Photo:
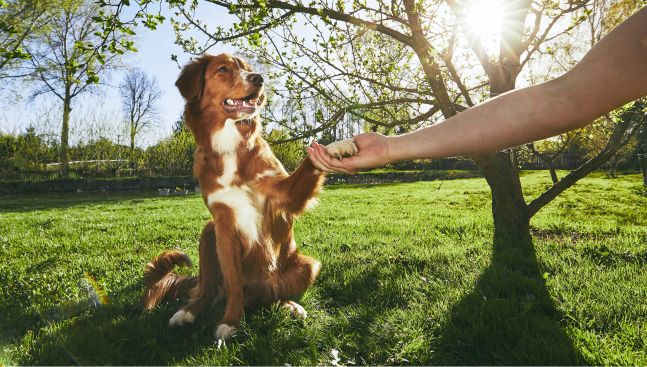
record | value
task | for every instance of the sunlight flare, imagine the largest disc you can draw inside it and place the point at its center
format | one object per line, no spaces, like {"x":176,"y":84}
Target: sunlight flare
{"x":484,"y":18}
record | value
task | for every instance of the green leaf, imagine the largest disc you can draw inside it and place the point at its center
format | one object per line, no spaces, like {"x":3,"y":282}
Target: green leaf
{"x":93,"y":79}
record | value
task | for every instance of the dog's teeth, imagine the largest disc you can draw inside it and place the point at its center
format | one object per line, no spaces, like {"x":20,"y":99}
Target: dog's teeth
{"x":229,"y":102}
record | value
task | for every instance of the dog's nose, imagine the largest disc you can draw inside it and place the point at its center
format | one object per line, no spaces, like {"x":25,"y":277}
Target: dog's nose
{"x":257,"y":79}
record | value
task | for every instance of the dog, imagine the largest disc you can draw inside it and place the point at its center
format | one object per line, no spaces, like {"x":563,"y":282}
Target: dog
{"x":248,"y":255}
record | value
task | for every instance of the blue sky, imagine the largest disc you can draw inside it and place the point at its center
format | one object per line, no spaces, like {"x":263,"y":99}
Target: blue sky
{"x":154,"y":57}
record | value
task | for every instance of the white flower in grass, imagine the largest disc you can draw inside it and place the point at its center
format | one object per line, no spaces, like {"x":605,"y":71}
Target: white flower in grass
{"x":334,"y":354}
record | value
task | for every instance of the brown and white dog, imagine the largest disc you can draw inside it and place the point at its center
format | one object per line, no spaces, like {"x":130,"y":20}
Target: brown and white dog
{"x":248,"y":255}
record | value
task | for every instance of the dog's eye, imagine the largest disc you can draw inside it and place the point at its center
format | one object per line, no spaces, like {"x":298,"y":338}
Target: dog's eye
{"x":223,"y":69}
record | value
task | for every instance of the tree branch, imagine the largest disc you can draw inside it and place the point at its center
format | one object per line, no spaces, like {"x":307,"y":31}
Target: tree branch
{"x":618,"y":139}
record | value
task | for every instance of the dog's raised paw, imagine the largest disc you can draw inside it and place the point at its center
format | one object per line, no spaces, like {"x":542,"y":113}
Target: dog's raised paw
{"x":181,"y":318}
{"x":342,"y":148}
{"x":295,"y":309}
{"x":224,"y":332}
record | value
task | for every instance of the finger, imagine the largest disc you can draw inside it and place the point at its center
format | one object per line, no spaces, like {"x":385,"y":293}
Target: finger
{"x":320,"y":159}
{"x":324,"y":157}
{"x":342,"y":165}
{"x":340,"y":168}
{"x":316,"y":160}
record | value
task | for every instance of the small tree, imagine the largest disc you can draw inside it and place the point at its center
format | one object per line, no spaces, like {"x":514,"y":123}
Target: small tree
{"x":67,"y":60}
{"x":140,"y":94}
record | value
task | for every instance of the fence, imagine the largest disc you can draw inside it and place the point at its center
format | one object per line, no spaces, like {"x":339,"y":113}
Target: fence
{"x":409,"y":171}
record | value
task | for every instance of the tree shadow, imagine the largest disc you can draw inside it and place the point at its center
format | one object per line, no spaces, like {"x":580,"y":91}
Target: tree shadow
{"x":508,"y":318}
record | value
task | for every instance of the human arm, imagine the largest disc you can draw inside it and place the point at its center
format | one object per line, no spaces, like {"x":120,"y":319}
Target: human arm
{"x":613,"y":73}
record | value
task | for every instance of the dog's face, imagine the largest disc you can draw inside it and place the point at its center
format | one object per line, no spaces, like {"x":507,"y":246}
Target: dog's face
{"x":223,"y":82}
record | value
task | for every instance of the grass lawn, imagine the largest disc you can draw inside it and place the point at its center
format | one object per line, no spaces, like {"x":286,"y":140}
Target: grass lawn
{"x":410,"y":276}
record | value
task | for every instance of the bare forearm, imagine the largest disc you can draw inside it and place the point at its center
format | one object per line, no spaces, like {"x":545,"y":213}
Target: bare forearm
{"x":610,"y":75}
{"x":508,"y":120}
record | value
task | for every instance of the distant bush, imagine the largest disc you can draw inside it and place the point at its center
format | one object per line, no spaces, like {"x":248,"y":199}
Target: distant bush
{"x":173,"y":155}
{"x":27,"y":151}
{"x":291,"y":153}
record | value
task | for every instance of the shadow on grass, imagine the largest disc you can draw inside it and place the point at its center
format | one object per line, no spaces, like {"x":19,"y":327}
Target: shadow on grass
{"x":508,"y":318}
{"x":115,"y":334}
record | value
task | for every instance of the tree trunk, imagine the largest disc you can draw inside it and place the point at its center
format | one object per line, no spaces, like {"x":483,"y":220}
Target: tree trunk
{"x":133,"y":132}
{"x":643,"y":166}
{"x":65,"y":132}
{"x":509,"y":209}
{"x":613,"y":167}
{"x":553,"y":172}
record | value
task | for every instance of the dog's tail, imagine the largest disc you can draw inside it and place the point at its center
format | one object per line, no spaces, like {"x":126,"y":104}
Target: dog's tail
{"x":161,"y":284}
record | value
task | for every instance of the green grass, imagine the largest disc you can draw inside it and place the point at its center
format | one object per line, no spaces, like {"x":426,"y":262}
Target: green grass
{"x":410,"y":276}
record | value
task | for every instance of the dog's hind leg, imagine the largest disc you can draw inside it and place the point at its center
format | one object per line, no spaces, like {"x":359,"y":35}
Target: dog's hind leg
{"x":209,"y":289}
{"x":297,"y":275}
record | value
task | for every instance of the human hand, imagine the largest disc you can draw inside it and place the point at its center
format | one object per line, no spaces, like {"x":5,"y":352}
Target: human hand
{"x":373,"y":152}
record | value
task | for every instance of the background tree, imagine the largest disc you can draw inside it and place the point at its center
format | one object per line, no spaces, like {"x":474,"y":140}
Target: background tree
{"x":290,"y":154}
{"x":140,"y":94}
{"x":641,"y":151}
{"x":69,"y":58}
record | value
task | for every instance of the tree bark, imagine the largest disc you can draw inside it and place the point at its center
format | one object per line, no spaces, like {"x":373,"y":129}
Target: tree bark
{"x":65,"y":133}
{"x":509,"y":209}
{"x":553,"y":172}
{"x":132,"y":136}
{"x":643,"y":166}
{"x":617,"y":140}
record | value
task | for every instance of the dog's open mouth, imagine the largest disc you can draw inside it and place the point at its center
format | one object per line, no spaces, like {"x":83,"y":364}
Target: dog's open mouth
{"x":247,"y":104}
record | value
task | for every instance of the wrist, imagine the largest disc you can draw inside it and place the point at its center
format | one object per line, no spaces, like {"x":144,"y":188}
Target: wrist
{"x":394,"y":151}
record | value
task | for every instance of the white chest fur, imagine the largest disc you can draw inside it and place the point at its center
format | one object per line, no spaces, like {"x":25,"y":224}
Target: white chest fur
{"x":226,"y":140}
{"x":229,"y":169}
{"x":246,"y":214}
{"x":243,"y":201}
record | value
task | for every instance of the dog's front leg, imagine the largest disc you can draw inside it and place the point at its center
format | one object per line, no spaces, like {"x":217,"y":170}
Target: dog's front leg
{"x":295,"y":191}
{"x":229,"y":250}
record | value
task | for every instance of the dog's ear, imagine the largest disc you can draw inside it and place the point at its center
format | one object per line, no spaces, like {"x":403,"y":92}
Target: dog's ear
{"x":191,"y":80}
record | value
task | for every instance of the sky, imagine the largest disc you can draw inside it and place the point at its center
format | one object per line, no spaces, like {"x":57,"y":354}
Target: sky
{"x":100,"y":115}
